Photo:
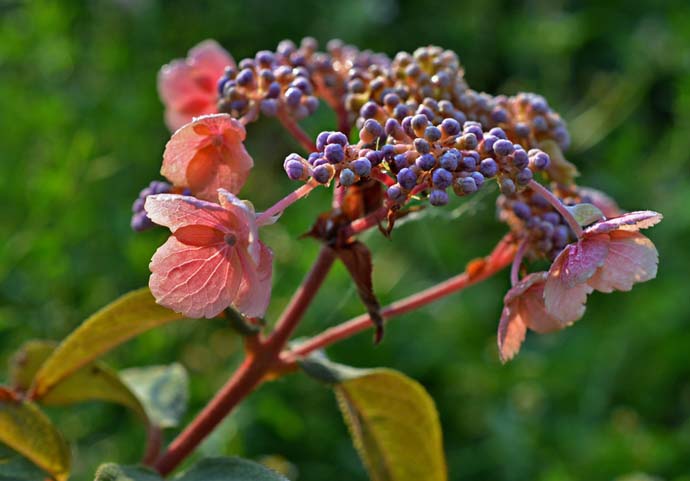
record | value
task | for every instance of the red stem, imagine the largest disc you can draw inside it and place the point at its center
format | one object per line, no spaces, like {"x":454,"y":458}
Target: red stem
{"x":296,"y":131}
{"x":154,"y":440}
{"x":251,"y":372}
{"x":500,"y":258}
{"x":364,"y":223}
{"x":558,"y":205}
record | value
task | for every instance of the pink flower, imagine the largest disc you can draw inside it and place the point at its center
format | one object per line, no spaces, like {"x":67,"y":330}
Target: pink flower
{"x":524,"y":308}
{"x":212,"y":260}
{"x":188,"y":87}
{"x":208,"y":154}
{"x":610,"y":255}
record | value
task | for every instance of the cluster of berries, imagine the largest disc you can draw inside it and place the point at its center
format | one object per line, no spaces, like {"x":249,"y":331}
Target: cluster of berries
{"x":291,"y":78}
{"x":140,"y":221}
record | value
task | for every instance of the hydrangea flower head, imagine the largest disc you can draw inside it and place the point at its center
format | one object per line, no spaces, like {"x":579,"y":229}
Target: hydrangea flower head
{"x":188,"y":87}
{"x":213,"y":259}
{"x":208,"y":154}
{"x":610,"y":255}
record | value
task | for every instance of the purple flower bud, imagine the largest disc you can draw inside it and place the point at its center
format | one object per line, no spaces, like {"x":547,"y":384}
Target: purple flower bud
{"x":520,"y":159}
{"x":138,"y":205}
{"x":401,"y":111}
{"x":538,"y":104}
{"x":478,"y":179}
{"x":507,"y":187}
{"x":264,"y":57}
{"x":419,"y":123}
{"x":421,"y":146}
{"x":221,"y":84}
{"x":396,"y":194}
{"x":552,"y":218}
{"x":320,"y":161}
{"x":498,"y":132}
{"x":269,"y":107}
{"x":293,"y":96}
{"x":503,"y":147}
{"x":375,"y":157}
{"x":388,"y":151}
{"x":426,"y":112}
{"x":321,"y":141}
{"x":400,"y":161}
{"x":539,"y":124}
{"x":245,"y":77}
{"x":362,"y":167}
{"x":438,"y":198}
{"x":347,"y":177}
{"x":441,"y":178}
{"x":488,"y":167}
{"x":522,"y":210}
{"x":313,"y":156}
{"x":468,"y":141}
{"x":432,"y":134}
{"x":468,"y":162}
{"x":522,"y":129}
{"x":467,"y":185}
{"x":373,"y":128}
{"x":475,"y":128}
{"x":391,"y":100}
{"x":140,"y":222}
{"x":499,"y":115}
{"x":449,"y":160}
{"x":560,"y":236}
{"x":393,"y":128}
{"x":407,"y":126}
{"x":311,"y":103}
{"x":488,"y":143}
{"x":546,"y":228}
{"x":337,"y":138}
{"x":407,"y":178}
{"x":294,"y":169}
{"x":450,"y":127}
{"x":426,"y":162}
{"x":369,"y":110}
{"x":524,"y":176}
{"x":538,"y":159}
{"x":334,"y":153}
{"x":273,"y":91}
{"x":322,"y":174}
{"x":539,"y":200}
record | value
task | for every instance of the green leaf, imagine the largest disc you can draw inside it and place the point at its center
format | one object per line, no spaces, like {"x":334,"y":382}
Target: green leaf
{"x":93,"y":382}
{"x":24,"y":428}
{"x":128,"y":316}
{"x":394,"y":426}
{"x":14,"y":467}
{"x":585,"y":214}
{"x":229,"y":469}
{"x":163,"y":391}
{"x":115,"y":472}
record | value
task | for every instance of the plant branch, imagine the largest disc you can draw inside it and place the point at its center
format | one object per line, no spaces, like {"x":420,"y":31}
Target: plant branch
{"x":286,"y":202}
{"x":251,"y":372}
{"x":296,"y":131}
{"x":558,"y":205}
{"x":476,"y":272}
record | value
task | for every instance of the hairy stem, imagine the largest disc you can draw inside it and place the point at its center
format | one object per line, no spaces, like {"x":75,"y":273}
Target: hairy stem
{"x":558,"y":205}
{"x":251,"y":372}
{"x":296,"y":131}
{"x":286,"y":202}
{"x":500,"y":258}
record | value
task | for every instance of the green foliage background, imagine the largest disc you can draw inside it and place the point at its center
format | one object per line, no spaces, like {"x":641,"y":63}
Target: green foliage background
{"x":81,"y":132}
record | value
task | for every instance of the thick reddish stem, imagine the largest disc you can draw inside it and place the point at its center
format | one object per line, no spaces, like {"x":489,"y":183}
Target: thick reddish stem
{"x":296,"y":131}
{"x":154,"y":440}
{"x":252,"y":370}
{"x":366,"y":222}
{"x":558,"y":205}
{"x":517,"y":261}
{"x":286,"y":202}
{"x":500,"y":258}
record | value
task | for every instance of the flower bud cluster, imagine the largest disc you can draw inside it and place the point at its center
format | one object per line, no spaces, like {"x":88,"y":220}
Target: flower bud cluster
{"x":140,"y":221}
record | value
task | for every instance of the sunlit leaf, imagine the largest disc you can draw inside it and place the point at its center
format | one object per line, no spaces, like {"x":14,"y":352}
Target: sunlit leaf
{"x":585,"y":214}
{"x":163,"y":390}
{"x":24,"y":428}
{"x":115,"y":472}
{"x":394,"y":425}
{"x":229,"y":469}
{"x":14,"y":467}
{"x":93,"y":382}
{"x":128,"y":316}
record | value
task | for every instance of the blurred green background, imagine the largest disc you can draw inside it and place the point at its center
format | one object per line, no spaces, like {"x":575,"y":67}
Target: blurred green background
{"x":81,"y":133}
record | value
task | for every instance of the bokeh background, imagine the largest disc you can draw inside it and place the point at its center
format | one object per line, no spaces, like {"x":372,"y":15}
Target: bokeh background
{"x":81,"y":133}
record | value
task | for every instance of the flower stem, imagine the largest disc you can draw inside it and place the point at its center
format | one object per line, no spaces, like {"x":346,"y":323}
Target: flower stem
{"x":558,"y":205}
{"x":500,"y":258}
{"x":296,"y":131}
{"x":252,"y":370}
{"x":286,"y":202}
{"x":517,"y":261}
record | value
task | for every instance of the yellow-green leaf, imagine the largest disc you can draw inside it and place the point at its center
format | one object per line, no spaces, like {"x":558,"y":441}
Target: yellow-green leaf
{"x":116,"y":323}
{"x":585,"y":214}
{"x":394,"y":426}
{"x":115,"y":472}
{"x":24,"y":428}
{"x":93,"y":382}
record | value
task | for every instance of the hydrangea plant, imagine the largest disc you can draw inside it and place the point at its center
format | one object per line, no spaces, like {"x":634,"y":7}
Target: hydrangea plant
{"x":410,"y":134}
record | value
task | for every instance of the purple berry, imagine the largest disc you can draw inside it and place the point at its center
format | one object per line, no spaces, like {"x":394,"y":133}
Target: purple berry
{"x":400,"y":161}
{"x":432,"y":134}
{"x":489,"y":141}
{"x":273,"y":91}
{"x":337,"y":138}
{"x":441,"y":178}
{"x":478,"y":179}
{"x":552,"y":218}
{"x":294,"y":169}
{"x":469,"y":141}
{"x":375,"y":157}
{"x":322,"y":174}
{"x":450,"y":127}
{"x":407,"y":178}
{"x":362,"y":167}
{"x":499,"y":115}
{"x":488,"y":168}
{"x":293,"y":96}
{"x":524,"y":176}
{"x":373,"y":128}
{"x":334,"y":152}
{"x":538,"y":159}
{"x":321,"y":141}
{"x":396,"y":194}
{"x":520,"y":159}
{"x":522,"y":210}
{"x":467,"y":185}
{"x":449,"y":160}
{"x":140,"y":222}
{"x":369,"y":110}
{"x":388,"y":151}
{"x":421,"y":146}
{"x":503,"y":147}
{"x":475,"y":128}
{"x":426,"y":162}
{"x":419,"y":123}
{"x":560,"y":236}
{"x":507,"y":187}
{"x":468,"y":163}
{"x":347,"y":177}
{"x":498,"y":132}
{"x":438,"y":198}
{"x":269,"y":107}
{"x":138,"y":205}
{"x":522,"y":129}
{"x":245,"y":77}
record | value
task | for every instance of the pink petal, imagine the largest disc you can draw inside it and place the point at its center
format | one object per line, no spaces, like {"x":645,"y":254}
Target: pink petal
{"x":246,"y":220}
{"x":197,"y":281}
{"x":632,"y":221}
{"x":511,"y":333}
{"x":255,"y":290}
{"x":208,"y":154}
{"x":533,"y":312}
{"x":563,"y":302}
{"x":188,"y":87}
{"x":582,"y":259}
{"x":175,"y":211}
{"x":632,"y":258}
